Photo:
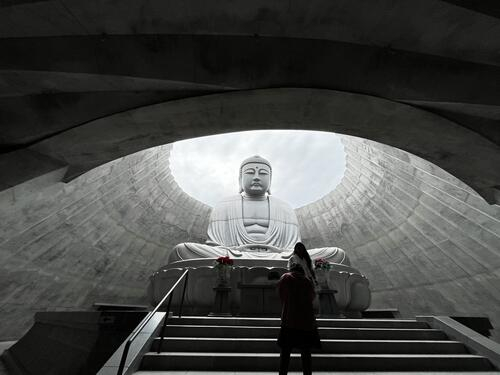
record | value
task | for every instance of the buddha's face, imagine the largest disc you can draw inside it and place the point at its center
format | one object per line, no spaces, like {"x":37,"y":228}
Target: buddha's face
{"x":255,"y":178}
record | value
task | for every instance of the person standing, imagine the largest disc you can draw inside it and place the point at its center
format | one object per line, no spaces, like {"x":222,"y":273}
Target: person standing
{"x":301,"y":257}
{"x":298,"y":323}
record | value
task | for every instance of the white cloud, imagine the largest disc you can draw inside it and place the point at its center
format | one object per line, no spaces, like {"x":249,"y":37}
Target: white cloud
{"x":306,"y":165}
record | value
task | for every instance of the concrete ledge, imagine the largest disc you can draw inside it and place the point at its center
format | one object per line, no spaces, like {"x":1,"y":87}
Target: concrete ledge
{"x":476,"y":342}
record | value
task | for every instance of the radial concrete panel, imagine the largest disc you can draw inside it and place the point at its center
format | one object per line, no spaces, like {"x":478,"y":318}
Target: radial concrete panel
{"x":425,"y":240}
{"x":95,"y":239}
{"x":402,"y":25}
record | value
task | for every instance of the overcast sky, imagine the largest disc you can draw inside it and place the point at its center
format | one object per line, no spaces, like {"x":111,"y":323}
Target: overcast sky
{"x":306,"y":165}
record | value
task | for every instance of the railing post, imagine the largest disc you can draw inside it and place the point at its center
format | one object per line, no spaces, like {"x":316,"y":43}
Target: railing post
{"x":126,"y":348}
{"x":124,"y":358}
{"x":164,"y":323}
{"x":183,"y":294}
{"x":146,"y":320}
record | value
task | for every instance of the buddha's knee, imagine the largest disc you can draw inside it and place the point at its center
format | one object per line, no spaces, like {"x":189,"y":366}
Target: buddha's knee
{"x":177,"y":253}
{"x":331,"y":254}
{"x":191,"y":250}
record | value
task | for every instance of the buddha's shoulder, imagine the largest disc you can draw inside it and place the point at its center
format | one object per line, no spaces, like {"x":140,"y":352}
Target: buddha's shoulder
{"x":278,"y":202}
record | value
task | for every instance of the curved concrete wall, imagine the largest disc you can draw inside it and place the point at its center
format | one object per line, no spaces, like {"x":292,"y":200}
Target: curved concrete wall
{"x":427,"y":242}
{"x":95,"y":239}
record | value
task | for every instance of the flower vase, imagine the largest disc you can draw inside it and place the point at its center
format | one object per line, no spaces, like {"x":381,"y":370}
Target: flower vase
{"x":322,"y":277}
{"x":223,"y":275}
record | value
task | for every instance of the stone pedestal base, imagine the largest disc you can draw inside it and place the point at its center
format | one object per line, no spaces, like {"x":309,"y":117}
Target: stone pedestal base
{"x":222,"y":305}
{"x":327,"y":304}
{"x":353,"y":288}
{"x":259,"y":299}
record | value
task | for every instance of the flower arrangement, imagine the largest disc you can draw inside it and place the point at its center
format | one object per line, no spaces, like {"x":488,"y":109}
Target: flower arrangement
{"x":322,"y":264}
{"x":223,"y":261}
{"x":223,"y":267}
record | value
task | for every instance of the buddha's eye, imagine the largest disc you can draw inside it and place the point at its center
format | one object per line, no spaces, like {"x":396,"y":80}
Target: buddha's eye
{"x":249,"y":171}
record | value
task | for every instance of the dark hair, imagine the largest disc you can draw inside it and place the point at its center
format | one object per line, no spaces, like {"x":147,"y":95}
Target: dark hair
{"x":297,"y":268}
{"x":301,"y":251}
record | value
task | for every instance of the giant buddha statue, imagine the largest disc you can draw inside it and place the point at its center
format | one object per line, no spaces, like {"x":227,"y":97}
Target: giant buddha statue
{"x":253,"y":224}
{"x":258,"y":231}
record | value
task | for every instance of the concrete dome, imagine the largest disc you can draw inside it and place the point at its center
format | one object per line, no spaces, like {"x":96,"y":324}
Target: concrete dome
{"x":419,"y":234}
{"x":84,"y":83}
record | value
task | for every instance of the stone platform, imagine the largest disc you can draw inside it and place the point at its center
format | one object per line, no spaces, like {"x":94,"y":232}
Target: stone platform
{"x":353,"y":293}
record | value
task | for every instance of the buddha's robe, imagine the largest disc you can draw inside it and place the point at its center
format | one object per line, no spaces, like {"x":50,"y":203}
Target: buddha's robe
{"x":227,"y":228}
{"x":227,"y":236}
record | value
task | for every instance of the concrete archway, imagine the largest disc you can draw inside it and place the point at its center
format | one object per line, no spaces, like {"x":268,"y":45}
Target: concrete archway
{"x":462,"y":152}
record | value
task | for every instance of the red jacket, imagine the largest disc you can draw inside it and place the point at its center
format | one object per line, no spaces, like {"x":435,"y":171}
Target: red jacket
{"x":297,"y":295}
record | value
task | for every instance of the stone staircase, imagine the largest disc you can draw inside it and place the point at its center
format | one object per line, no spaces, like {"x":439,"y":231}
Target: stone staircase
{"x":249,"y":344}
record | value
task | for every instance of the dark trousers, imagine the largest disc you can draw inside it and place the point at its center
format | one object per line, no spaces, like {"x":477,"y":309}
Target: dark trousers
{"x":305,"y":355}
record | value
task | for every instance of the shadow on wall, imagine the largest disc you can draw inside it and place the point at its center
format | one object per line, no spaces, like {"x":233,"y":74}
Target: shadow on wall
{"x":70,"y":343}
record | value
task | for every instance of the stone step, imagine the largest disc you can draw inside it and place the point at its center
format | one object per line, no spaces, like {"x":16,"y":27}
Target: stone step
{"x":204,"y":344}
{"x":174,"y":330}
{"x":275,"y":322}
{"x":197,"y":361}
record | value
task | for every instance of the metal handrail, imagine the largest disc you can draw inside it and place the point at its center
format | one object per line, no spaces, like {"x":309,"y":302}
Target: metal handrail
{"x":148,"y":317}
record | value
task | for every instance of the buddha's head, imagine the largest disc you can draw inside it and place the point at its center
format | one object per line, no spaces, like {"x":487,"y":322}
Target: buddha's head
{"x":255,"y":176}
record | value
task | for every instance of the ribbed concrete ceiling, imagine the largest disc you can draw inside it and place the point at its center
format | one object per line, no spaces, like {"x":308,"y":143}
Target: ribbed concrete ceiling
{"x":64,"y":65}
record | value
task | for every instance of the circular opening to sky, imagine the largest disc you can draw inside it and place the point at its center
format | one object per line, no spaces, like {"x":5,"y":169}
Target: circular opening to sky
{"x":307,"y":165}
